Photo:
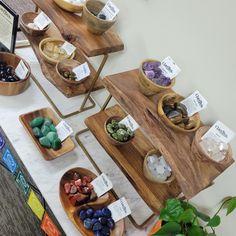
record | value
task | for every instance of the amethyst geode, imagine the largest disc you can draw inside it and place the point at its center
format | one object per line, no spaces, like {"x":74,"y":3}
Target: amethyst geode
{"x":153,"y":71}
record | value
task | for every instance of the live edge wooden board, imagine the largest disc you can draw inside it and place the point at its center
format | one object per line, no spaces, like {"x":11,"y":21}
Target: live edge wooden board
{"x":73,"y":29}
{"x":130,"y":159}
{"x":192,"y":174}
{"x":69,"y":90}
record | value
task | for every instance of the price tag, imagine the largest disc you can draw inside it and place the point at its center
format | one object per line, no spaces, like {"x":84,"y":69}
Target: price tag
{"x":102,"y":185}
{"x":68,"y":47}
{"x":23,"y":184}
{"x":42,"y":20}
{"x":195,"y":103}
{"x":2,"y":142}
{"x":21,"y":70}
{"x":219,"y":131}
{"x":119,"y":209}
{"x":9,"y":160}
{"x":63,"y":130}
{"x":110,"y":10}
{"x":169,"y":68}
{"x":82,"y":71}
{"x":49,"y":227}
{"x":130,"y":122}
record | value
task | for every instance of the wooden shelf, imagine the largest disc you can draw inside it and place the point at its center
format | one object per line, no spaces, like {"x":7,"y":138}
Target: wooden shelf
{"x":130,"y":159}
{"x":49,"y":70}
{"x":192,"y":174}
{"x":73,"y":29}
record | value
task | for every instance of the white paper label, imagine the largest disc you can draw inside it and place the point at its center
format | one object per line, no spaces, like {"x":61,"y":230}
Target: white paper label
{"x":119,"y":209}
{"x":68,"y":47}
{"x":219,"y":131}
{"x":21,"y":70}
{"x":169,"y":68}
{"x":75,"y":1}
{"x":42,"y":20}
{"x":195,"y":103}
{"x":101,"y":185}
{"x":63,"y":130}
{"x":110,"y":10}
{"x":130,"y":122}
{"x":82,"y":71}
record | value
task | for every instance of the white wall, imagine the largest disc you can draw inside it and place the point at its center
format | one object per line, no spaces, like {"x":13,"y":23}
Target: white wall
{"x":201,"y":37}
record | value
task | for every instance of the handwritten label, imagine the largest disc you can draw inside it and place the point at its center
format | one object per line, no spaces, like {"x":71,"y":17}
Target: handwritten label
{"x":42,"y":20}
{"x":23,"y":184}
{"x":195,"y":103}
{"x":9,"y":160}
{"x":119,"y":209}
{"x":130,"y":122}
{"x":102,"y":184}
{"x":219,"y":131}
{"x":82,"y":71}
{"x":169,"y":68}
{"x":110,"y":10}
{"x":2,"y":142}
{"x":68,"y":47}
{"x":49,"y":227}
{"x":21,"y":70}
{"x":63,"y":130}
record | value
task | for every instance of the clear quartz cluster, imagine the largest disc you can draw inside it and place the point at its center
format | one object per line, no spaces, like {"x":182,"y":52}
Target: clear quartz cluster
{"x":158,"y":167}
{"x":214,"y":148}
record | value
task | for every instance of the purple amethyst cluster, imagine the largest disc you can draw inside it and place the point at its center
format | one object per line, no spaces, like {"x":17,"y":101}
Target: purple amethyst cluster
{"x":153,"y":71}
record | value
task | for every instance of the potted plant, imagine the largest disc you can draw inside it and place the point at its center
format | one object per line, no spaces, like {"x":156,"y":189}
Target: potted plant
{"x":180,"y":218}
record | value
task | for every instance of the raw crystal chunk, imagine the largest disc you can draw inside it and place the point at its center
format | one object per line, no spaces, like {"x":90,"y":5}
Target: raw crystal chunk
{"x":45,"y":142}
{"x":36,"y":122}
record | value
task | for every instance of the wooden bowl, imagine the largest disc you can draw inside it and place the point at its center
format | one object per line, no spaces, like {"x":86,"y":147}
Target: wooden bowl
{"x":94,"y":24}
{"x":58,"y":42}
{"x":27,"y":18}
{"x":201,"y":154}
{"x":68,"y":64}
{"x":195,"y":117}
{"x":146,"y":86}
{"x":148,"y":174}
{"x":48,"y":154}
{"x":68,"y":6}
{"x":110,"y":139}
{"x":14,"y":88}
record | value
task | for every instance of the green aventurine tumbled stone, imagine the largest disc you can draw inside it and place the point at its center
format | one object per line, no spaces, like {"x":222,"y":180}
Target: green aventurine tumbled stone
{"x":47,"y":122}
{"x":37,"y":132}
{"x":52,"y":136}
{"x":36,"y":122}
{"x":45,"y":130}
{"x":56,"y":144}
{"x":45,"y":142}
{"x":52,"y":128}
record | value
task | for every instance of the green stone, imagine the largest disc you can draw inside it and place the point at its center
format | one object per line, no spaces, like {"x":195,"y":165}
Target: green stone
{"x":52,"y":128}
{"x":52,"y":136}
{"x":45,"y":130}
{"x":56,"y":144}
{"x":47,"y":122}
{"x":37,"y":132}
{"x":45,"y":142}
{"x":37,"y":122}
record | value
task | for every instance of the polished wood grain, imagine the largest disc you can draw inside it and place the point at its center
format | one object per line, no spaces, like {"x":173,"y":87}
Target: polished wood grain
{"x":48,"y":154}
{"x":73,"y":29}
{"x":69,"y":90}
{"x":130,"y":157}
{"x":192,"y":174}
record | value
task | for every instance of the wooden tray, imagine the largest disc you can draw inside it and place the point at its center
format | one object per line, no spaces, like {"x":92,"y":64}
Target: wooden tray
{"x":69,"y":90}
{"x":48,"y":154}
{"x":130,"y":159}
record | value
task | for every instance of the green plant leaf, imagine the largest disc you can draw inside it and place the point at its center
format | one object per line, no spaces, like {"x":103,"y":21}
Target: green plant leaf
{"x":187,"y":205}
{"x":180,"y":235}
{"x":169,"y":229}
{"x":214,"y":221}
{"x":203,"y":216}
{"x":187,"y":216}
{"x":196,"y":231}
{"x":231,"y":205}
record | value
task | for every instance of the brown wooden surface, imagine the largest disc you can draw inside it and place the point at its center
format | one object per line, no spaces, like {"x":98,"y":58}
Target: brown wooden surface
{"x":74,"y":30}
{"x":130,"y":159}
{"x":69,"y":90}
{"x":192,"y":174}
{"x":48,"y":154}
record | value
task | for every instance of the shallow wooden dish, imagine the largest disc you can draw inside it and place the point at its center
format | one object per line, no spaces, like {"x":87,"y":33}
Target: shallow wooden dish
{"x":94,"y":24}
{"x":71,"y":7}
{"x":110,"y":139}
{"x":195,"y":117}
{"x":48,"y":154}
{"x":14,"y":88}
{"x":147,"y":173}
{"x":68,"y":64}
{"x":146,"y":86}
{"x":58,"y":42}
{"x":27,"y":18}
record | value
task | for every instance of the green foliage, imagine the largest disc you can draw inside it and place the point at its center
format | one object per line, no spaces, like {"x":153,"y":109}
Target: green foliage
{"x":214,"y":221}
{"x":169,"y":229}
{"x":231,"y":205}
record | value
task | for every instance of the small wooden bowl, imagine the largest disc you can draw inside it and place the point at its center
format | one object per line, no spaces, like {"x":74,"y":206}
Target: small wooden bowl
{"x":68,"y":64}
{"x":110,"y":139}
{"x":14,"y":88}
{"x":195,"y":117}
{"x":94,"y":24}
{"x":48,"y":154}
{"x":201,"y":154}
{"x":27,"y":18}
{"x":146,"y":86}
{"x":58,"y":42}
{"x":68,"y":6}
{"x":147,"y":173}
